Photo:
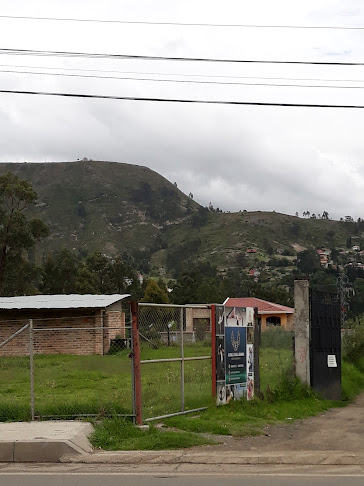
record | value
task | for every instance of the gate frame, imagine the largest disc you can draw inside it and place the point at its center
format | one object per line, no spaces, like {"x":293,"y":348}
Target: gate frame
{"x":137,"y":362}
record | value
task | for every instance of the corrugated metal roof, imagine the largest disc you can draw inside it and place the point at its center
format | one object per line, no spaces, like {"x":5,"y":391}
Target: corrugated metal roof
{"x":72,"y":301}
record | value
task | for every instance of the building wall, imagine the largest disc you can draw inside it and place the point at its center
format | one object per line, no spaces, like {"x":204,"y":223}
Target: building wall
{"x":62,"y":332}
{"x":195,"y":313}
{"x":287,"y":321}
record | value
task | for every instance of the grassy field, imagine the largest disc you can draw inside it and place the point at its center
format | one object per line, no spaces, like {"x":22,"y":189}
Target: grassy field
{"x":68,"y":385}
{"x":101,"y":385}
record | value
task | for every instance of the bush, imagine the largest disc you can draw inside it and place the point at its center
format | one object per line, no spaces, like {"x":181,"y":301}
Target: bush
{"x":277,"y":338}
{"x":353,"y":342}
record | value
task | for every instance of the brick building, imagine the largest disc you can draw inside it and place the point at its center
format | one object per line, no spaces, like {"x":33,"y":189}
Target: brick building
{"x":63,"y":324}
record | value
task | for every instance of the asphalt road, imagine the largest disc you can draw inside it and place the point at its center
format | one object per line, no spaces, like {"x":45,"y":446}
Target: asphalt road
{"x":153,"y":475}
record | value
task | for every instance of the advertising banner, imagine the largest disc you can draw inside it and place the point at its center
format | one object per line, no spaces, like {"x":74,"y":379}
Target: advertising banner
{"x":234,"y":354}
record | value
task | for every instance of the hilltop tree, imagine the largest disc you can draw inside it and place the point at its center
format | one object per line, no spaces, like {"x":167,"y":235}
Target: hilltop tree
{"x":18,"y":233}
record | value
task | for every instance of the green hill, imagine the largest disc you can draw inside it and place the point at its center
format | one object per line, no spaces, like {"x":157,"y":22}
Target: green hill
{"x":114,"y":207}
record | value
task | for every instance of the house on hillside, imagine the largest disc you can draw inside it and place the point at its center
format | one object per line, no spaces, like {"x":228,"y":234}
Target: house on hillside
{"x":270,"y":314}
{"x":324,"y":256}
{"x":63,"y":324}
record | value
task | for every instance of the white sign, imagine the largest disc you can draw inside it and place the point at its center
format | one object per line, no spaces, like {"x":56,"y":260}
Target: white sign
{"x":331,"y":361}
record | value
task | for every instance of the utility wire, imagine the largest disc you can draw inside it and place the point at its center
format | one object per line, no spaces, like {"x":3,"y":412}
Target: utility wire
{"x":30,"y":52}
{"x":148,"y":73}
{"x":181,"y":24}
{"x":175,"y":100}
{"x":185,"y":81}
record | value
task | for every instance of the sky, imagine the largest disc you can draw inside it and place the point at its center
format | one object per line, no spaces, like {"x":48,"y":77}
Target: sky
{"x":286,"y":159}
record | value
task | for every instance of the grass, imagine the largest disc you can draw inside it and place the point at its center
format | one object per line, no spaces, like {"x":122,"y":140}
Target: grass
{"x":67,"y":385}
{"x":120,"y":434}
{"x":101,"y":385}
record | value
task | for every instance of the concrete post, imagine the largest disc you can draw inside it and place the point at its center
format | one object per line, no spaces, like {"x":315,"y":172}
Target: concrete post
{"x":302,"y":329}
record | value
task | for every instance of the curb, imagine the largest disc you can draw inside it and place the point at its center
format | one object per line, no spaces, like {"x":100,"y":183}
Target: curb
{"x":307,"y":458}
{"x":48,"y":442}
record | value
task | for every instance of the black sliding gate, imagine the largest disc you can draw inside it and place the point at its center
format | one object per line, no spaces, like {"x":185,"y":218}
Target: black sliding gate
{"x":325,"y":344}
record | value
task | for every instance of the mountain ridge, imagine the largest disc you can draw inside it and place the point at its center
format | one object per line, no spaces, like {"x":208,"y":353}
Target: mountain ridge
{"x":114,"y":207}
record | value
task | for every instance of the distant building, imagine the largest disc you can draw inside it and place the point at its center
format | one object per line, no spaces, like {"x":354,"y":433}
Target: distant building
{"x":270,"y":314}
{"x":324,"y":256}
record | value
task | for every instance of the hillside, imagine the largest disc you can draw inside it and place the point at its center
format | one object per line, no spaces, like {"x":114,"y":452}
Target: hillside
{"x":103,"y":206}
{"x":114,"y":207}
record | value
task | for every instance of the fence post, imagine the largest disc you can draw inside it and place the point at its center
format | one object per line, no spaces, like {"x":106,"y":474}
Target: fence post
{"x":31,"y":363}
{"x":182,"y":364}
{"x":137,"y":391}
{"x":213,"y":350}
{"x":256,"y":347}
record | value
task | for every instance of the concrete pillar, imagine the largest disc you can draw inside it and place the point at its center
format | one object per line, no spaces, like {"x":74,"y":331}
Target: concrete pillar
{"x":302,"y":329}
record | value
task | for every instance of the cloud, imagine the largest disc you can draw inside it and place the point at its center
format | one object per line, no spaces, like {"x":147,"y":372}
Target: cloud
{"x":254,"y":158}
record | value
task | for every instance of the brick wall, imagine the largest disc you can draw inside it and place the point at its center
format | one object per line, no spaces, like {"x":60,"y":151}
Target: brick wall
{"x":50,"y":337}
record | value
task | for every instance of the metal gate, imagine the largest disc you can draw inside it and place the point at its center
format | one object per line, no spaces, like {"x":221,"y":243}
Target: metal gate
{"x":171,"y":359}
{"x":325,"y":344}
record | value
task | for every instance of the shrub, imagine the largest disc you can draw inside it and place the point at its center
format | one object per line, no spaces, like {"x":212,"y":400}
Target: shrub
{"x":353,"y":342}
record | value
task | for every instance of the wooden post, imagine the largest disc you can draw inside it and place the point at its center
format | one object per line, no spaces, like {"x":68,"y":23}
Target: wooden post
{"x":213,"y":349}
{"x":136,"y":366}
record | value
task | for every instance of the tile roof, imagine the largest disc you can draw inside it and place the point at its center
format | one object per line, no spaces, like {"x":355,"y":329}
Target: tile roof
{"x":263,"y":305}
{"x":72,"y":301}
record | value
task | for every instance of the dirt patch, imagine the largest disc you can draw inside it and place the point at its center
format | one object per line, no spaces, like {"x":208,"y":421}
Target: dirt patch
{"x":335,"y":430}
{"x":298,"y":247}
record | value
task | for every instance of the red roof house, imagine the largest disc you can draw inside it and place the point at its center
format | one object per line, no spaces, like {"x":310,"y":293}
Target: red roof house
{"x":270,"y":314}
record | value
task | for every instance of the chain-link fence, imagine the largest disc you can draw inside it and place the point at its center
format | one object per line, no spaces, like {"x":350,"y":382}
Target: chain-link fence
{"x":65,"y":367}
{"x":15,"y":393}
{"x":175,"y":354}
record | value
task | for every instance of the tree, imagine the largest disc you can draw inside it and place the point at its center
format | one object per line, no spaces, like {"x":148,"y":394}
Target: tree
{"x":154,"y":294}
{"x":17,"y":232}
{"x":308,"y":261}
{"x":59,"y":273}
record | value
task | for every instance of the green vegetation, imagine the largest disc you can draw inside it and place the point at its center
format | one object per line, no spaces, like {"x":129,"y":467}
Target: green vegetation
{"x":120,"y":434}
{"x":134,"y":213}
{"x":68,"y":385}
{"x":18,"y":234}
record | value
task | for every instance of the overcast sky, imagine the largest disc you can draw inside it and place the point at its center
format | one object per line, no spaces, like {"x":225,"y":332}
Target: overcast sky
{"x":237,"y":157}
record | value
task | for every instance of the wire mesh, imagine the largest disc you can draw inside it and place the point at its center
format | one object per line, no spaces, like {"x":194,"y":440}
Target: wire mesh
{"x":81,"y":368}
{"x":171,"y":336}
{"x":14,"y":372}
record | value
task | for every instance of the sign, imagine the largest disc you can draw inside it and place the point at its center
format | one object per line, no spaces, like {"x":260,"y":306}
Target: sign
{"x":234,"y":353}
{"x":331,"y":361}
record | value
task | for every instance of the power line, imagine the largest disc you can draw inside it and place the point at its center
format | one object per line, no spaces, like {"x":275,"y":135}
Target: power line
{"x":182,"y":24}
{"x":176,"y":100}
{"x":32,"y":52}
{"x":153,"y":73}
{"x":184,"y":81}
